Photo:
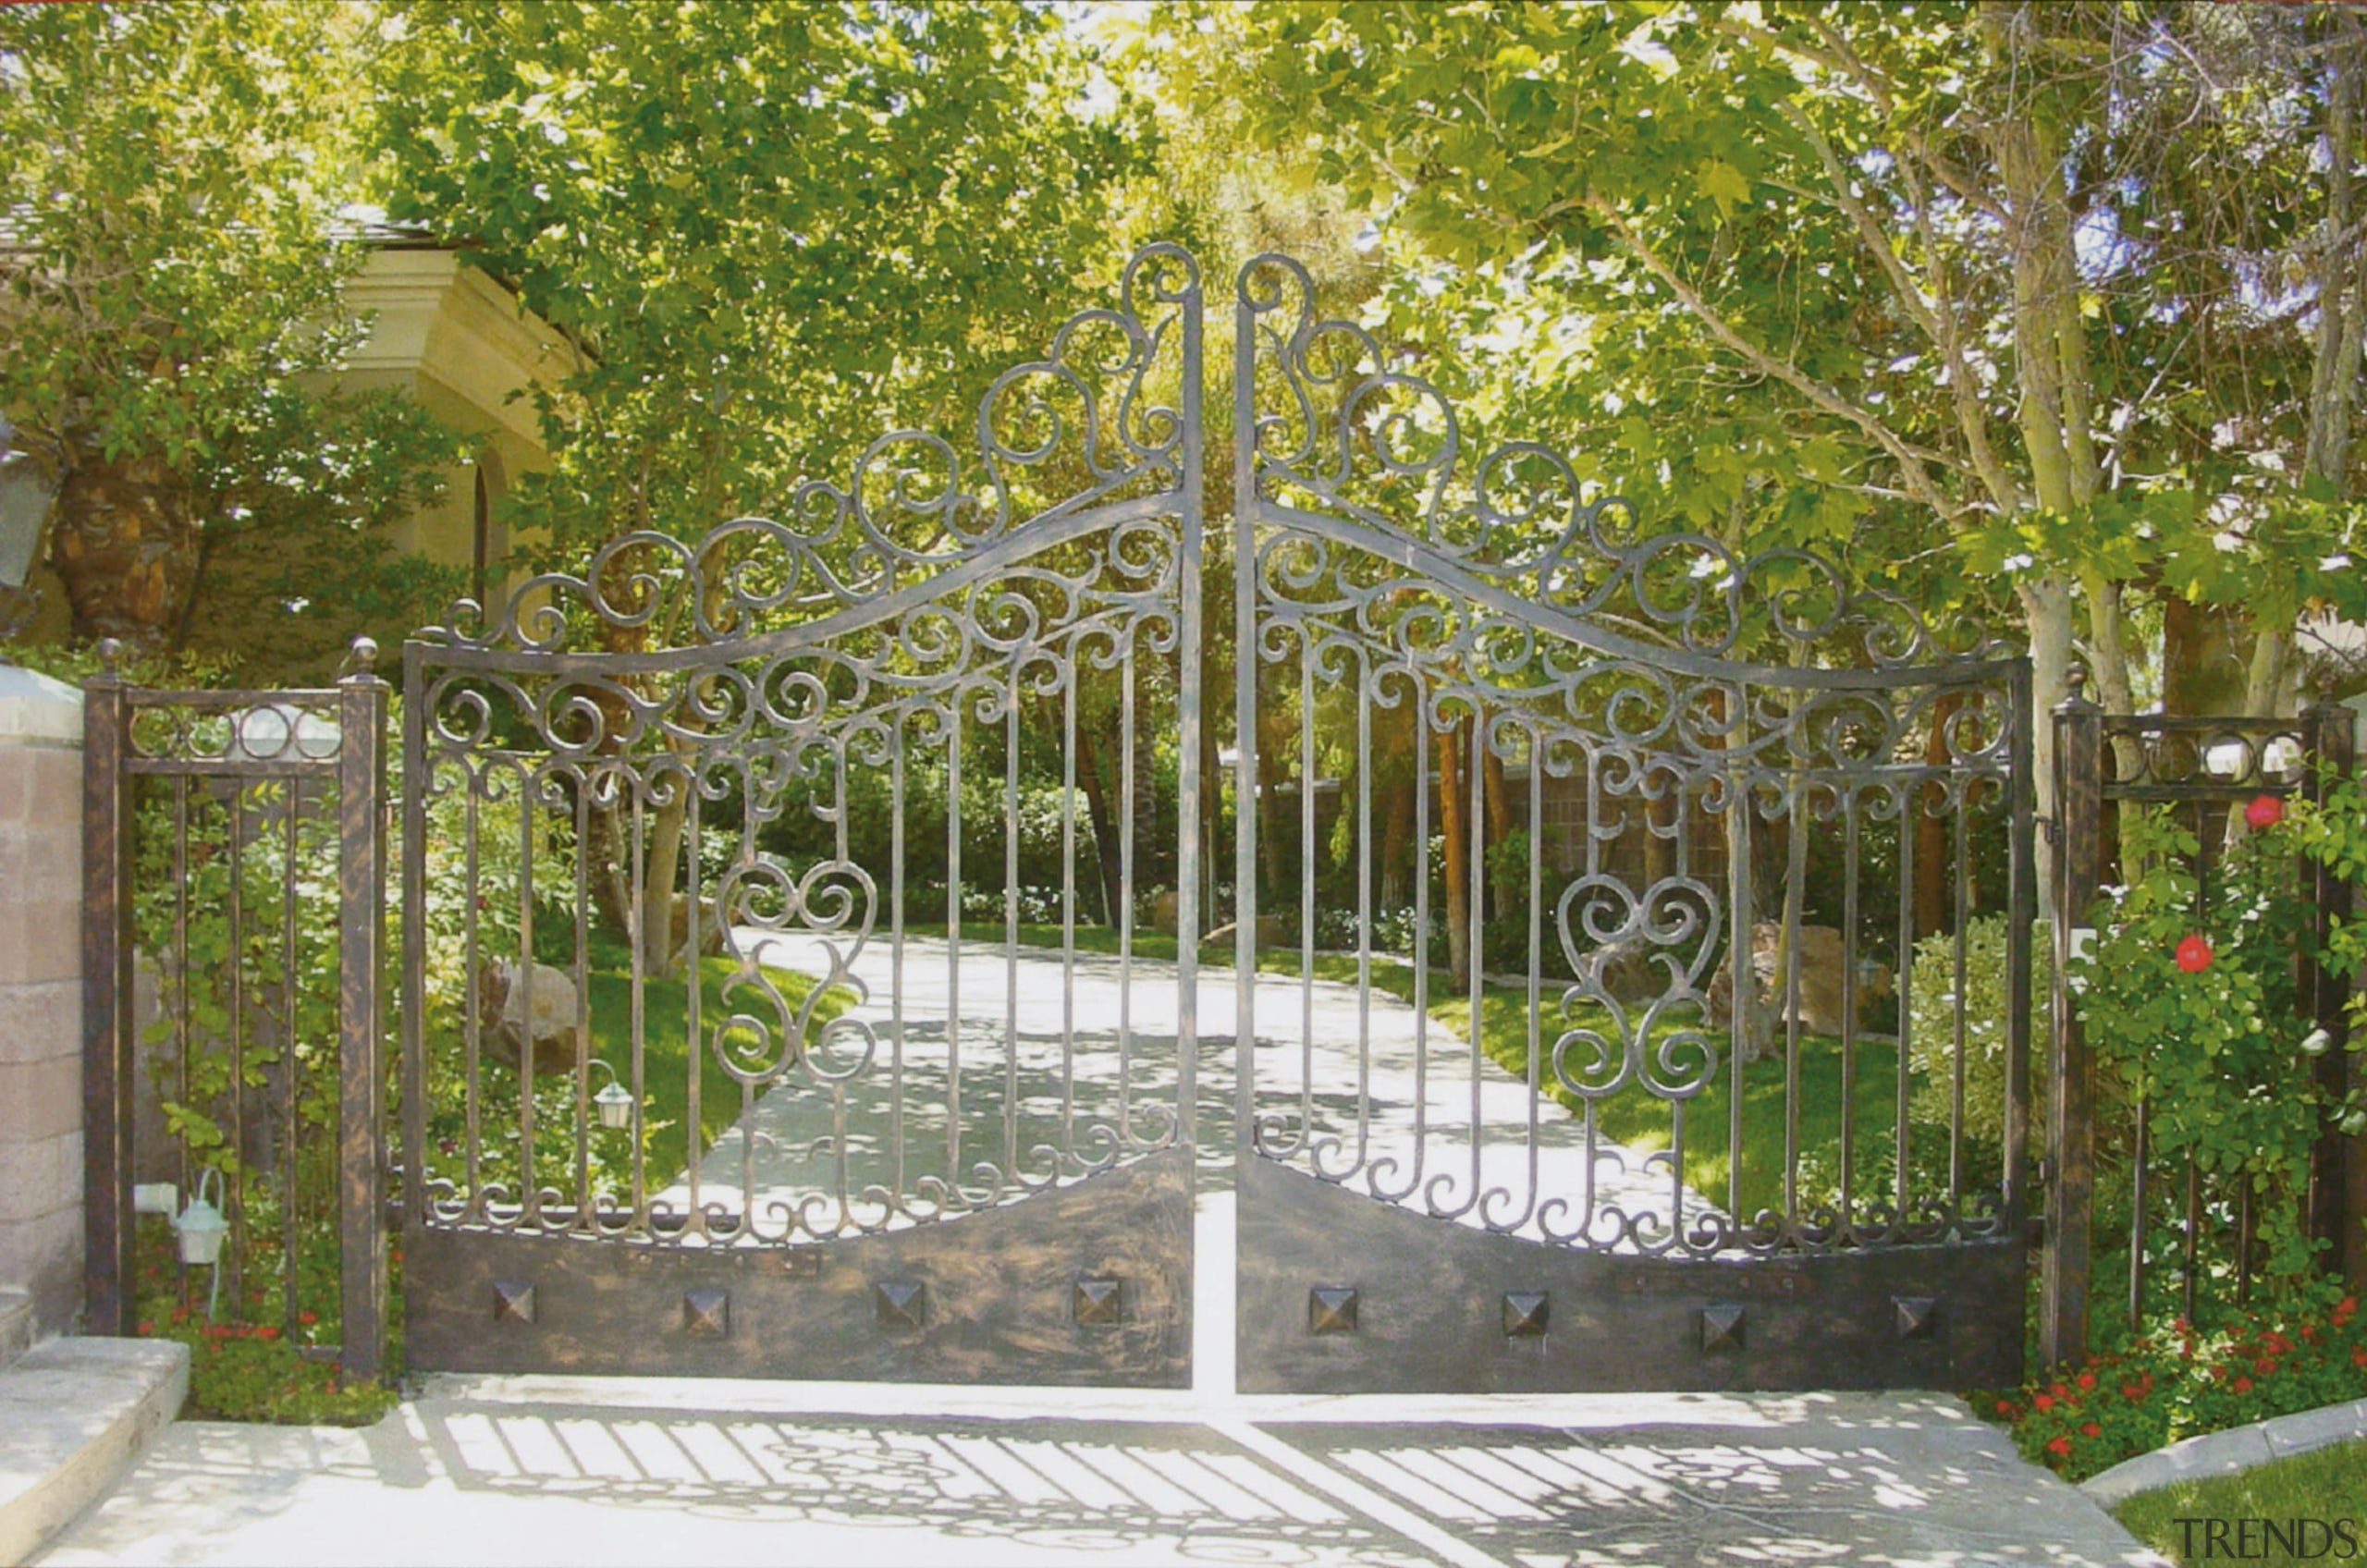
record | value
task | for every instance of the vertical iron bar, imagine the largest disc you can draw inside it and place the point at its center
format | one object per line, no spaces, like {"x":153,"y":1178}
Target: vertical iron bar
{"x":1795,"y":871}
{"x":585,"y":1221}
{"x":361,"y":891}
{"x":1246,"y":517}
{"x":954,"y":943}
{"x":472,"y":1019}
{"x":2326,"y":994}
{"x":178,"y":976}
{"x":896,"y":1189}
{"x":2070,"y":1188}
{"x":107,"y":1062}
{"x":529,"y":1198}
{"x":1188,"y":805}
{"x":1742,"y":977}
{"x":2192,"y":1249}
{"x":1068,"y":907}
{"x":693,"y":1038}
{"x":1364,"y":908}
{"x":1126,"y":893}
{"x":1911,"y":801}
{"x":1848,"y":1010}
{"x":289,"y":1100}
{"x":1475,"y":843}
{"x":1960,"y":1021}
{"x":2142,"y":1152}
{"x":1009,"y":921}
{"x":637,"y":980}
{"x":414,"y":941}
{"x":231,"y":1270}
{"x":2022,"y":894}
{"x":1535,"y":964}
{"x":1307,"y":883}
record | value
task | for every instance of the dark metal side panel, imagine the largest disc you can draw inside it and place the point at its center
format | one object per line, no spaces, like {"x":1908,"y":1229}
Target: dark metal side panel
{"x":1431,"y":1317}
{"x":998,"y":1302}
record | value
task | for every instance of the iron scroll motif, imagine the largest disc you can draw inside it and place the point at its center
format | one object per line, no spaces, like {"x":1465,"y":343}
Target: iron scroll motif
{"x":1657,"y":704}
{"x":846,"y":662}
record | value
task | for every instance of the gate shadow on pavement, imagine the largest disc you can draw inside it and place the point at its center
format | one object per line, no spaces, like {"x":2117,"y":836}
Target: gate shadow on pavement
{"x":455,"y":1478}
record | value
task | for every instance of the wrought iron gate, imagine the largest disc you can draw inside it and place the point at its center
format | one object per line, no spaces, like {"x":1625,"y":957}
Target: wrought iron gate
{"x":1717,"y":802}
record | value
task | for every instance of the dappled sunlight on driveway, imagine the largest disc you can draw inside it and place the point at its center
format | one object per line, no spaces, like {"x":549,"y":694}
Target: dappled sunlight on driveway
{"x":521,"y":1471}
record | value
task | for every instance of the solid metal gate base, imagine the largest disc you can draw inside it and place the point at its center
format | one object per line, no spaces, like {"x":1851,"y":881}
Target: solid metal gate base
{"x":1088,"y":1285}
{"x":1341,"y":1295}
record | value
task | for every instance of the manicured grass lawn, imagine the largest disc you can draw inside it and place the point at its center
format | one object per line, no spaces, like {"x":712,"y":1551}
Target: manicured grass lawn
{"x":1633,"y":1116}
{"x":2330,"y":1485}
{"x":665,"y":1010}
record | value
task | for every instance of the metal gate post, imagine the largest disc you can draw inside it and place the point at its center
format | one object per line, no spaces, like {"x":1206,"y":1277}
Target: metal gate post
{"x":2326,"y":992}
{"x":2070,"y":1173}
{"x":108,"y":1277}
{"x":361,"y":898}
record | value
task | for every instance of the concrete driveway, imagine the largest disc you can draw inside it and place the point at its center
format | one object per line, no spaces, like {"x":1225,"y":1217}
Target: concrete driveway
{"x":528,"y":1471}
{"x":1050,"y":1048}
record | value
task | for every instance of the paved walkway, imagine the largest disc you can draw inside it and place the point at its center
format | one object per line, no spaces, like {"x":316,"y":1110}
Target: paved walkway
{"x":529,"y":1471}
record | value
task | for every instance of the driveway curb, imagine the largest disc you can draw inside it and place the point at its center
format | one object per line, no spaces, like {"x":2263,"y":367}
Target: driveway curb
{"x":2230,"y":1452}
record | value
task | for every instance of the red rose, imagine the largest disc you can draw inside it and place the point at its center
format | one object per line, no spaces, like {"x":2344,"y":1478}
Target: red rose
{"x":2243,"y":1385}
{"x":2044,"y":1402}
{"x":308,"y":1317}
{"x":147,"y":1327}
{"x":2264,"y":1366}
{"x":2089,"y":1430}
{"x":2194,"y":954}
{"x":2004,"y":1407}
{"x":2131,"y":1392}
{"x":2359,"y":1355}
{"x":2266,"y":811}
{"x":2087,"y":1379}
{"x":268,"y":1332}
{"x":2060,"y":1447}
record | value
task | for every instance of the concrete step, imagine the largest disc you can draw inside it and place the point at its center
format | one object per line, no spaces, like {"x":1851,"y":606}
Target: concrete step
{"x":74,"y":1414}
{"x":16,"y":1325}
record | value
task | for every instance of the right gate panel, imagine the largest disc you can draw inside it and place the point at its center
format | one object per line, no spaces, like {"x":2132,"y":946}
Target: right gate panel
{"x":1633,"y":933}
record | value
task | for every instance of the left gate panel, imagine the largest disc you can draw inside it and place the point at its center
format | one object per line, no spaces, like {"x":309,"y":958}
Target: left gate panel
{"x":799,"y":919}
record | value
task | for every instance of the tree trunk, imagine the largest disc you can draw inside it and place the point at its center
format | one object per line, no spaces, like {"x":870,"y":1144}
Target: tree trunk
{"x":661,"y":863}
{"x":1932,"y":873}
{"x":126,"y":546}
{"x":1454,"y":821}
{"x":1506,"y":886}
{"x":2046,"y":608}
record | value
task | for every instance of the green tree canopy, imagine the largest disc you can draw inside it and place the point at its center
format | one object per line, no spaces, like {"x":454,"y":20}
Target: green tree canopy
{"x":170,"y":276}
{"x":775,"y":229}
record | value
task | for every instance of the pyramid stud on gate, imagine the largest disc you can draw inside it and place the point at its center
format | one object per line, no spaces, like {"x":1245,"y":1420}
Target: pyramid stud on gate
{"x":1331,"y":1309}
{"x":1526,"y":1313}
{"x":1098,"y":1301}
{"x":514,"y":1301}
{"x":1720,"y":1326}
{"x":708,"y":1311}
{"x":901,"y":1304}
{"x":1918,"y":1316}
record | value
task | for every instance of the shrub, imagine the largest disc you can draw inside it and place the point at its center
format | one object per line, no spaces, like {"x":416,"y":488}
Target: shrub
{"x":1931,"y":1024}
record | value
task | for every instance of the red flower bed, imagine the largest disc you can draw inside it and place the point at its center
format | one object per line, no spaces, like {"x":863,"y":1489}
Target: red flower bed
{"x":2183,"y":1381}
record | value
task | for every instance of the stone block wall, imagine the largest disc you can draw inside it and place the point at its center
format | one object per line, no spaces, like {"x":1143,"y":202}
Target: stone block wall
{"x":41,"y":1001}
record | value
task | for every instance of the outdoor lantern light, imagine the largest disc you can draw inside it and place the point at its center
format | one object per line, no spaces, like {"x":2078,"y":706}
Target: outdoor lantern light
{"x":615,"y":1101}
{"x":200,"y":1225}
